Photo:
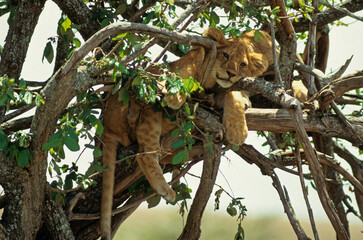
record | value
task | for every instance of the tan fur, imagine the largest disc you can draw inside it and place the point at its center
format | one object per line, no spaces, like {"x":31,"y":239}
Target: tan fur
{"x":236,"y":58}
{"x":299,"y":90}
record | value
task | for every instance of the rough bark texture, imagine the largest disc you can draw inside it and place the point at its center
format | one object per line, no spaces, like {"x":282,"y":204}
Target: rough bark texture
{"x":329,"y":15}
{"x":20,"y":32}
{"x":80,"y":14}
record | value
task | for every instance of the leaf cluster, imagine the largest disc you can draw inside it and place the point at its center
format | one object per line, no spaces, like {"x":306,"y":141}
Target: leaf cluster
{"x":77,"y":123}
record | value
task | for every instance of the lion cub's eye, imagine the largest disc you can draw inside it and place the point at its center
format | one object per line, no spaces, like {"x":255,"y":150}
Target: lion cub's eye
{"x":243,"y":64}
{"x":225,"y":55}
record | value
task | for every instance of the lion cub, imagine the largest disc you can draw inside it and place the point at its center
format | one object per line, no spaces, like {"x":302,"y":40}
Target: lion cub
{"x":236,"y":59}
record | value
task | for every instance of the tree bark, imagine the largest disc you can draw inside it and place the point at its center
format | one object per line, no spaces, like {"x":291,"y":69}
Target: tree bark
{"x":20,"y":32}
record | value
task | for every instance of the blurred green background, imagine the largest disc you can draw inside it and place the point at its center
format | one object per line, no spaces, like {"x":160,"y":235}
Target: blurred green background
{"x":164,"y":224}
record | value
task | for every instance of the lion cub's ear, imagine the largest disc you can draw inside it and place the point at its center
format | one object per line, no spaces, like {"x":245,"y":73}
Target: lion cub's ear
{"x":258,"y":64}
{"x":217,"y":35}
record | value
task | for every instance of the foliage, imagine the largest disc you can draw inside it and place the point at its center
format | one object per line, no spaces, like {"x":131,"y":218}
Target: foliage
{"x":16,"y":145}
{"x":133,"y":80}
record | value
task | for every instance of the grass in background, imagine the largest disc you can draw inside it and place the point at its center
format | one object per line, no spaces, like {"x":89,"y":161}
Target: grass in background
{"x":155,"y":224}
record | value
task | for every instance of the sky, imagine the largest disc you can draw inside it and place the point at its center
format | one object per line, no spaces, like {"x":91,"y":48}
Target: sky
{"x":235,"y":174}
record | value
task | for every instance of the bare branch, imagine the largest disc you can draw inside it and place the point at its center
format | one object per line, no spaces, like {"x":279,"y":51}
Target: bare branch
{"x":329,"y":16}
{"x":341,"y":9}
{"x":303,"y":188}
{"x":209,"y":174}
{"x":278,"y":120}
{"x":337,"y":88}
{"x":324,"y":79}
{"x":331,"y":162}
{"x":289,"y":210}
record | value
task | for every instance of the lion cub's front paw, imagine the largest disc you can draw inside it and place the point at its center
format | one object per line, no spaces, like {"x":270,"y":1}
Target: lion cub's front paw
{"x":236,"y":130}
{"x":170,"y":195}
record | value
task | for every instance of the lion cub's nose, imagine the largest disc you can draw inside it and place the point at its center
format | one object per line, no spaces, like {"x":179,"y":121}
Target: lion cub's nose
{"x":230,"y":74}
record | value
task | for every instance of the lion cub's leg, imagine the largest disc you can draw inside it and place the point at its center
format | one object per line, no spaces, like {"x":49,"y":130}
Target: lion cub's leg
{"x":234,"y":119}
{"x":300,"y":91}
{"x":148,"y":134}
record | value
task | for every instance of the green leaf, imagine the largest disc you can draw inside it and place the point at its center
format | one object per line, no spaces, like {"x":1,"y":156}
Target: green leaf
{"x":187,"y":127}
{"x":48,"y":53}
{"x":39,"y":100}
{"x":99,"y":128}
{"x":184,"y":48}
{"x":28,"y":97}
{"x":66,"y":24}
{"x":141,"y":91}
{"x":178,"y":144}
{"x":119,"y":37}
{"x":123,"y":69}
{"x":97,"y":153}
{"x":72,"y":132}
{"x":3,"y":141}
{"x":180,"y":157}
{"x":24,"y":158}
{"x":54,"y":141}
{"x":123,"y":95}
{"x":4,"y":97}
{"x":175,"y":132}
{"x":257,"y":36}
{"x":174,"y":86}
{"x":70,"y":143}
{"x":214,"y":19}
{"x":231,"y":210}
{"x":76,"y":42}
{"x":154,"y":201}
{"x":68,"y":183}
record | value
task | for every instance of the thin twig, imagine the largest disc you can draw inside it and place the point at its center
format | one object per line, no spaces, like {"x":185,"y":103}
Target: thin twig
{"x":311,"y":48}
{"x":324,"y":79}
{"x":345,"y":121}
{"x":155,"y":40}
{"x":270,"y":141}
{"x":73,"y":217}
{"x":302,"y":182}
{"x":351,"y":208}
{"x":274,"y":52}
{"x":17,"y":112}
{"x":343,"y":10}
{"x":187,"y":12}
{"x":299,"y":231}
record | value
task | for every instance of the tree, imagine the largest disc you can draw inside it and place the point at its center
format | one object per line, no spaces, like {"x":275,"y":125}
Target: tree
{"x":118,"y":35}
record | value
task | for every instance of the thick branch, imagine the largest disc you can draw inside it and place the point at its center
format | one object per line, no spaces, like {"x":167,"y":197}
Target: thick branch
{"x":337,"y":88}
{"x":20,"y":33}
{"x":80,"y":14}
{"x":209,"y":174}
{"x":279,"y":120}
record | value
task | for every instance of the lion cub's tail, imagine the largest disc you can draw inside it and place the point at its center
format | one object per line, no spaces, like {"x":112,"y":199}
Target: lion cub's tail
{"x":108,"y":178}
{"x":115,"y":131}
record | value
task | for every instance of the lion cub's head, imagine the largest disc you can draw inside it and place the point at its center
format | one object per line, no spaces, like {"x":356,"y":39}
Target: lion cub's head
{"x":238,"y":58}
